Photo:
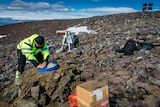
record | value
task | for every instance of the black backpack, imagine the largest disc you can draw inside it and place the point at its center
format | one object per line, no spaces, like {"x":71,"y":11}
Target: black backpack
{"x":129,"y":47}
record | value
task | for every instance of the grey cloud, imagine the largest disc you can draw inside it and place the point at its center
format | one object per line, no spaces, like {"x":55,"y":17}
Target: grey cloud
{"x":60,"y":7}
{"x":110,"y":10}
{"x":2,"y":7}
{"x":39,"y":6}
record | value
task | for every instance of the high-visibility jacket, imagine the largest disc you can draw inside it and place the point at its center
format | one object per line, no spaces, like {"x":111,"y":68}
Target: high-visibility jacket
{"x":28,"y":48}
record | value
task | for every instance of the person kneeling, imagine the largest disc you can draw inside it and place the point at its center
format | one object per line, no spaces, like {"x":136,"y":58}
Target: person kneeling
{"x":33,"y":49}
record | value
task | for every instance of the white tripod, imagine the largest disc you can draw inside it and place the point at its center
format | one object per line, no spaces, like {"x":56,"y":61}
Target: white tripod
{"x":67,"y":40}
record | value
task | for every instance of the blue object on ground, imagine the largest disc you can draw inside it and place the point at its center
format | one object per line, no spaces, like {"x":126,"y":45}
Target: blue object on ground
{"x":49,"y":69}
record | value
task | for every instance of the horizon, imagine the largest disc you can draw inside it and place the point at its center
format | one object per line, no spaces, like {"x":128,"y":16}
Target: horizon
{"x":9,"y":21}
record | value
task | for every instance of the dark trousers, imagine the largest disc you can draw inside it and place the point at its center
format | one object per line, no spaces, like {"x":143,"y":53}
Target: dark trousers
{"x":22,"y":60}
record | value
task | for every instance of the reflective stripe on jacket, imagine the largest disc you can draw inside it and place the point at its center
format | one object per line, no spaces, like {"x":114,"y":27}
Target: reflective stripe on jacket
{"x":28,"y":48}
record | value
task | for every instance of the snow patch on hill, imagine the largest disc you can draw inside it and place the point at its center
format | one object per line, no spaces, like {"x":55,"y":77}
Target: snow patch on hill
{"x":81,"y":29}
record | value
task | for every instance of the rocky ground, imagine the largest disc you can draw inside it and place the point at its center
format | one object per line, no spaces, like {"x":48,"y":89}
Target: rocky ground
{"x":133,"y":81}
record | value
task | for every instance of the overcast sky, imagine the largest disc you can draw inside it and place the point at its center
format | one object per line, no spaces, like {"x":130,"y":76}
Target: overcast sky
{"x":68,"y":9}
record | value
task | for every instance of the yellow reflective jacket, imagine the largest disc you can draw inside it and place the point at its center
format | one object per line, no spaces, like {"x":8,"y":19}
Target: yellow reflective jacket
{"x":28,"y":48}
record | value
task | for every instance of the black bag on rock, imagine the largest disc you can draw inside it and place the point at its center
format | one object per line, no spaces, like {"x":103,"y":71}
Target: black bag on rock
{"x":129,"y":47}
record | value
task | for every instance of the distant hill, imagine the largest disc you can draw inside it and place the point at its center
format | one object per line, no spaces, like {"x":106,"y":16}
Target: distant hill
{"x":8,"y":21}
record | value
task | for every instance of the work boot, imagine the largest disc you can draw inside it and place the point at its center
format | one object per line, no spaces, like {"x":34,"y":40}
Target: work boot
{"x":18,"y":74}
{"x":18,"y":80}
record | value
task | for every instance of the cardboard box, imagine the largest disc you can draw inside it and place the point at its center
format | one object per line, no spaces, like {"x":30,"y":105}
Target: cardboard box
{"x":88,"y":97}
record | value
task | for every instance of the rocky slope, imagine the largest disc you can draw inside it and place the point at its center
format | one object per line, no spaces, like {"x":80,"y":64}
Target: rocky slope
{"x":134,"y":81}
